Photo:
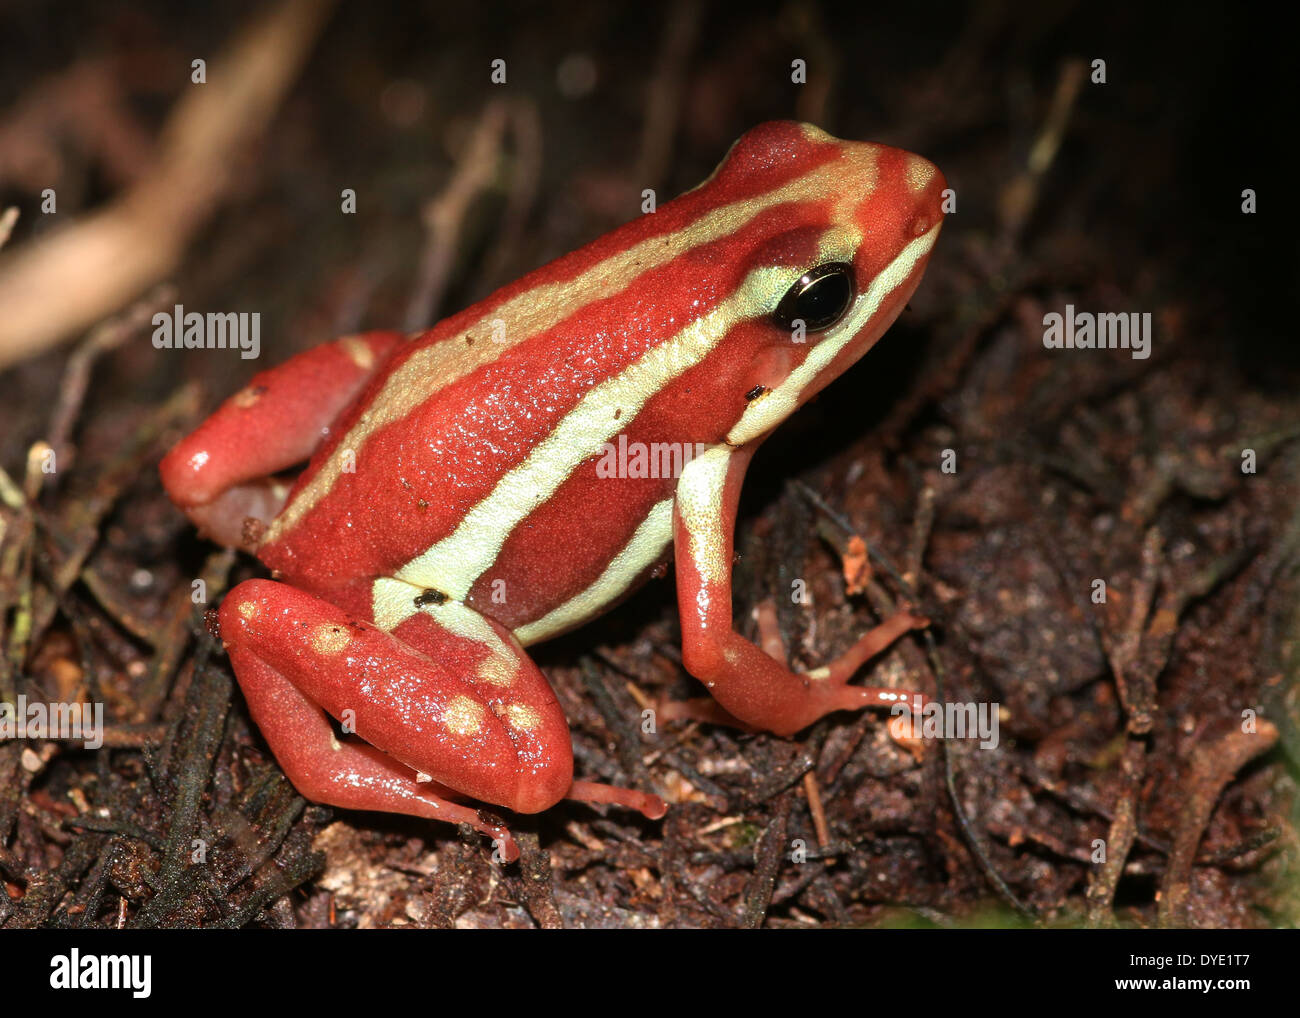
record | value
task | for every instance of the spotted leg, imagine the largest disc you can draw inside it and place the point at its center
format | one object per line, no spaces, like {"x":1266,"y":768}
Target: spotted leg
{"x":749,"y":684}
{"x":466,"y":715}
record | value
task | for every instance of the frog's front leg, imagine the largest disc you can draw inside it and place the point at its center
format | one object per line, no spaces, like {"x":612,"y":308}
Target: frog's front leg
{"x":751,"y":685}
{"x":221,"y":473}
{"x":447,"y":705}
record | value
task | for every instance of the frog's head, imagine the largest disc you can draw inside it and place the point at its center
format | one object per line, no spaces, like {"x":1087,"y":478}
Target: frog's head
{"x":850,"y":228}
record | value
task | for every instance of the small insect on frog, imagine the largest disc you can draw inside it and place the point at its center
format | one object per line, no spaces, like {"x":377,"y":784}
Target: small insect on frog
{"x":459,"y":502}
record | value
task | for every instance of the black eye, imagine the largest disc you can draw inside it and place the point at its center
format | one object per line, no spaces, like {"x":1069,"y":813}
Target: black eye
{"x":819,"y":298}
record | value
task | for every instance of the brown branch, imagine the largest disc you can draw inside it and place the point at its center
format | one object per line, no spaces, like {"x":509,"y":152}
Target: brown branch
{"x":76,"y":276}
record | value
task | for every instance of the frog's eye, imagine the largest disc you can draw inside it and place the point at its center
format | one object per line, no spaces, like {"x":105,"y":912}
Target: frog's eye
{"x":818,"y":298}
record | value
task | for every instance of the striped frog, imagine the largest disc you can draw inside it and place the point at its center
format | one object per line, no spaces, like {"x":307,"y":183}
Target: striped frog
{"x":461,"y":502}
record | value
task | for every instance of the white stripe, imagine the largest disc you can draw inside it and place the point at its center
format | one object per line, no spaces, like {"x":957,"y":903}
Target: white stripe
{"x":764,"y":414}
{"x":394,"y":603}
{"x":699,"y":504}
{"x":646,"y":545}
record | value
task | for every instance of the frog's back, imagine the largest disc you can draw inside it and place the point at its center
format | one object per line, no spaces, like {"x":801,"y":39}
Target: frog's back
{"x":522,"y":454}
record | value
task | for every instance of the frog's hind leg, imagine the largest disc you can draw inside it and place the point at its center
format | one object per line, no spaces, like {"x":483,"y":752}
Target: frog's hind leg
{"x":447,"y":703}
{"x":221,"y":473}
{"x":345,"y":772}
{"x":454,"y":631}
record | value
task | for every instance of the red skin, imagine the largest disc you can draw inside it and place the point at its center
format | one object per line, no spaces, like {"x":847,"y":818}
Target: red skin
{"x":417,"y":476}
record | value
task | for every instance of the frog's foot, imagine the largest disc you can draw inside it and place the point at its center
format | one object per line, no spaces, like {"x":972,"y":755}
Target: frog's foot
{"x":829,"y":684}
{"x":221,"y":474}
{"x":832,"y":680}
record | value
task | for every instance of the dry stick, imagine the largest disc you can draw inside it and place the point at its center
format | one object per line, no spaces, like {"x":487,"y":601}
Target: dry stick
{"x":173,"y":634}
{"x":14,"y":779}
{"x":663,"y":106}
{"x":209,"y":704}
{"x":1019,"y":197}
{"x":15,"y":544}
{"x":76,"y":374}
{"x":525,"y":179}
{"x":7,"y":220}
{"x":534,"y":883}
{"x":769,"y":853}
{"x":1137,"y":696}
{"x":73,"y":277}
{"x":1137,"y":684}
{"x":814,"y":796}
{"x":21,"y":592}
{"x":921,"y":527}
{"x":1119,"y":839}
{"x":1214,"y":762}
{"x":444,"y":215}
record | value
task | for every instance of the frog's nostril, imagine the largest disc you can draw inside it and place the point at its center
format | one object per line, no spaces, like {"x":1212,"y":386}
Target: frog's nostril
{"x":920,"y":225}
{"x":924,"y":221}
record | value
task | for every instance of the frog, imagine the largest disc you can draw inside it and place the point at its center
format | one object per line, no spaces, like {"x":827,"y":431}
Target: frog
{"x":469,"y":491}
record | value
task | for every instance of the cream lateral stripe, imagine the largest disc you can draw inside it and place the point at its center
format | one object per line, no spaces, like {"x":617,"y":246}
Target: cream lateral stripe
{"x":777,"y":405}
{"x":699,"y":504}
{"x":394,"y":603}
{"x":543,"y":307}
{"x":647,"y":543}
{"x":458,"y":560}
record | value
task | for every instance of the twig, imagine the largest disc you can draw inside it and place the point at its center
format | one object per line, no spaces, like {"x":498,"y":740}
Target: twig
{"x":445,"y":214}
{"x":8,"y":219}
{"x":1119,"y":840}
{"x":73,"y":277}
{"x":1214,"y":763}
{"x":769,"y":854}
{"x":663,"y":106}
{"x":76,"y":374}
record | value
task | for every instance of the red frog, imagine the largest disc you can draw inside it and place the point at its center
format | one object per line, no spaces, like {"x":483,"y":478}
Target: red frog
{"x":459,"y":502}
